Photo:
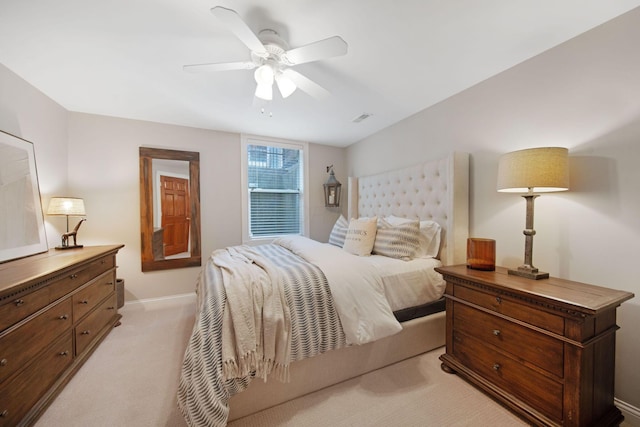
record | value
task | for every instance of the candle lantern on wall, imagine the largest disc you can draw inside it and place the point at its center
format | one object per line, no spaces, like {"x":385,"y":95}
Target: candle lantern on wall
{"x":332,"y":190}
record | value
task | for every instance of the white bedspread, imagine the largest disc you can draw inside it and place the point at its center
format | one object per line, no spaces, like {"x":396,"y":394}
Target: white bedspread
{"x":357,"y":290}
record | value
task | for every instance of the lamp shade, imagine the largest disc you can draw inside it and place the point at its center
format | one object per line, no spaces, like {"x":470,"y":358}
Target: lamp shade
{"x":537,"y":169}
{"x":70,"y":206}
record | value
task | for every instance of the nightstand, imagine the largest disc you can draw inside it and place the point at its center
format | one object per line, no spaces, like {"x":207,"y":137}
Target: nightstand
{"x":543,"y":348}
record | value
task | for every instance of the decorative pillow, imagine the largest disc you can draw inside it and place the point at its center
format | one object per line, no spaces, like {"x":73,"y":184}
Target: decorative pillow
{"x":339,"y":232}
{"x":361,"y":236}
{"x":429,"y":239}
{"x":429,"y":236}
{"x":399,"y":241}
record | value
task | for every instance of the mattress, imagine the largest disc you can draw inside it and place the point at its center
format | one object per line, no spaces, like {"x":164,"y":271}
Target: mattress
{"x":410,"y":283}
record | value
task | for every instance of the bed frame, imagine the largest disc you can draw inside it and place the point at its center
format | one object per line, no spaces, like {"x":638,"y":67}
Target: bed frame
{"x":436,"y":190}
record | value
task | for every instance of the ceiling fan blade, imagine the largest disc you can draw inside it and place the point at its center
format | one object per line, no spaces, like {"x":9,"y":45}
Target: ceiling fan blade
{"x":305,"y":84}
{"x":327,"y":48}
{"x":238,"y":27}
{"x":221,"y":66}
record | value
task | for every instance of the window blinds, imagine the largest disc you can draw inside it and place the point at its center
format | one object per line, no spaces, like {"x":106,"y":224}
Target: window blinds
{"x":275,"y":183}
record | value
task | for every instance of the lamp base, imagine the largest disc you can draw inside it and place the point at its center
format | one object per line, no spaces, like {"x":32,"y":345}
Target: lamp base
{"x":69,"y":247}
{"x":529,"y":273}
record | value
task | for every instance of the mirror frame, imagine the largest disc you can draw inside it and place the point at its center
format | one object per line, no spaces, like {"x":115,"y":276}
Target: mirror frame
{"x":149,"y":263}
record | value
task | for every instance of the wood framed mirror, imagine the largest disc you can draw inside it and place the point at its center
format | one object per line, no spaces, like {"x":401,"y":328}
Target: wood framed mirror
{"x":169,"y":209}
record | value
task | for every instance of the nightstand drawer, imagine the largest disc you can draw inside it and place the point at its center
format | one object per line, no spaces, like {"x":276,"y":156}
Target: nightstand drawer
{"x":504,"y":305}
{"x":539,"y":391}
{"x":92,"y":325}
{"x":19,"y":394}
{"x":525,"y":344}
{"x":19,"y":346}
{"x":88,"y":298}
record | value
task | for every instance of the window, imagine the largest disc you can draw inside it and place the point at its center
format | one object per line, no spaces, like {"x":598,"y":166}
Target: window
{"x":273,"y":181}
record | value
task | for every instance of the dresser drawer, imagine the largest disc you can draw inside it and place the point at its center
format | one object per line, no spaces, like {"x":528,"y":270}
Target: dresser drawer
{"x":525,"y":344}
{"x":80,"y":276}
{"x":503,"y":305}
{"x":90,"y":327}
{"x":20,"y":345}
{"x":18,"y":395}
{"x":538,"y":390}
{"x":88,"y":298}
{"x":22,"y":307}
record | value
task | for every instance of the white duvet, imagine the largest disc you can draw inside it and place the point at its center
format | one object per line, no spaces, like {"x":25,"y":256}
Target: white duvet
{"x":357,"y":290}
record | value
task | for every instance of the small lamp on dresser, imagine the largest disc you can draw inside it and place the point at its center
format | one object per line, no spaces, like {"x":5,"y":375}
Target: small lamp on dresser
{"x":535,"y":170}
{"x":68,"y":206}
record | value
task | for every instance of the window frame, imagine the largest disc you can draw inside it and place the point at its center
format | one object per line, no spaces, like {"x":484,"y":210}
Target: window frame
{"x":247,"y":140}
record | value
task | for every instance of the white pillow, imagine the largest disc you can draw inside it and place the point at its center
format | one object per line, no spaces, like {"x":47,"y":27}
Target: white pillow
{"x":429,"y":236}
{"x":360,"y":236}
{"x":339,"y":232}
{"x":397,"y":241}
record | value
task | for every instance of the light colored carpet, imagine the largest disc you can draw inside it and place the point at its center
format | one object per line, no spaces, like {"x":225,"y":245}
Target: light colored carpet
{"x":131,"y":380}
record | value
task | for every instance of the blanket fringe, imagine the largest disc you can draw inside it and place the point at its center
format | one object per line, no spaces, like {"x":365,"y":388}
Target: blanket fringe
{"x":252,"y":363}
{"x":246,"y":364}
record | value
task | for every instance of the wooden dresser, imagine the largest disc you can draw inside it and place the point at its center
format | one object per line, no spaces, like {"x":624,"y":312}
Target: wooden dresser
{"x":55,"y":308}
{"x":543,"y":348}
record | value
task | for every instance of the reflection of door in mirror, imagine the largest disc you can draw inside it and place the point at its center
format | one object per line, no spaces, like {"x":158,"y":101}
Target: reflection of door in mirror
{"x":174,"y":205}
{"x":169,"y":208}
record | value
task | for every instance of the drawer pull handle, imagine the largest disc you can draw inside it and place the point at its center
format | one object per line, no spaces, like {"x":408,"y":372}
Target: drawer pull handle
{"x":84,"y":301}
{"x":110,"y":308}
{"x":64,"y":353}
{"x":498,"y":300}
{"x":63,"y":317}
{"x":73,"y":276}
{"x":496,"y":367}
{"x":109,"y":283}
{"x":4,"y":362}
{"x":102,"y":261}
{"x":496,"y":332}
{"x":87,"y":332}
{"x":19,"y":302}
{"x":4,"y":414}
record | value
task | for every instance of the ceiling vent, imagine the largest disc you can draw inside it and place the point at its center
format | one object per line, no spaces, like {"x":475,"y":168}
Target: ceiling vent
{"x":361,"y":117}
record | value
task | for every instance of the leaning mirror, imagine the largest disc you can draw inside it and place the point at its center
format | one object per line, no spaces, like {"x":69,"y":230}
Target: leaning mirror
{"x":169,"y":208}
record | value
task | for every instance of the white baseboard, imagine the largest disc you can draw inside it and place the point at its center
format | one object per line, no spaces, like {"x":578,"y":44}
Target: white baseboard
{"x":631,"y":413}
{"x":161,"y":302}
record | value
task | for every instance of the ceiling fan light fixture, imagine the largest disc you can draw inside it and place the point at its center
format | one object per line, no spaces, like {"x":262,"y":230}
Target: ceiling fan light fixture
{"x":264,"y":75}
{"x":264,"y":91}
{"x":285,"y":85}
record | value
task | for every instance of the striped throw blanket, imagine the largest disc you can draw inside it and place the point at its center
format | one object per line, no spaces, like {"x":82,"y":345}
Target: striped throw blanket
{"x":311,"y":321}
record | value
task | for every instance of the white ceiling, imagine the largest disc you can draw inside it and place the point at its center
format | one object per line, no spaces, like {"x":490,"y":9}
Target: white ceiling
{"x":124,"y":58}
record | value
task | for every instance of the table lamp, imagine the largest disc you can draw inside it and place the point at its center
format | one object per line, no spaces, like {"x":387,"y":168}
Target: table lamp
{"x":68,"y":206}
{"x":535,"y":170}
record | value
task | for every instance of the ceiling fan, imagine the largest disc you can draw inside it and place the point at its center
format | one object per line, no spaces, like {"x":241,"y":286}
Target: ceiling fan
{"x":272,"y":58}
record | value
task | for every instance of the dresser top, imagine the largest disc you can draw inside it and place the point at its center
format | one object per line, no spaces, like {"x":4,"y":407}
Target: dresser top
{"x":26,"y":271}
{"x":580,"y":297}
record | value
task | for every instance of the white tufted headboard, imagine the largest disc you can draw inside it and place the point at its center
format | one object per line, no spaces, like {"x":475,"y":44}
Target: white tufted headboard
{"x":436,"y":190}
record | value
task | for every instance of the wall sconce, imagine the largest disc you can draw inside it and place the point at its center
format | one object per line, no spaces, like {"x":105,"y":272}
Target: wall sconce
{"x":528,"y":171}
{"x":68,"y":206}
{"x":332,"y":190}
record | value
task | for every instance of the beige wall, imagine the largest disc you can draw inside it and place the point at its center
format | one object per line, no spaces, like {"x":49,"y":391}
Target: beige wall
{"x":25,"y":112}
{"x":103,"y":169}
{"x":584,"y":95}
{"x":96,"y":157}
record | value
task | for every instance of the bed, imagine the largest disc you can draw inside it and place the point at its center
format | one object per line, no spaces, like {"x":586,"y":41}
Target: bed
{"x":434,"y":191}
